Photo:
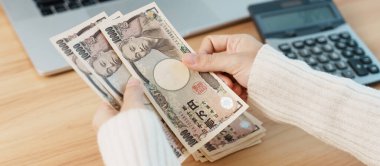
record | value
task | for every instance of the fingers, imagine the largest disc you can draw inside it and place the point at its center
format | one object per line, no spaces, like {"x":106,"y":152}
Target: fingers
{"x":244,"y":95}
{"x":214,"y":43}
{"x":133,"y":95}
{"x":237,"y":89}
{"x":102,"y":115}
{"x":220,"y":62}
{"x":228,"y":43}
{"x":133,"y":98}
{"x":225,"y":79}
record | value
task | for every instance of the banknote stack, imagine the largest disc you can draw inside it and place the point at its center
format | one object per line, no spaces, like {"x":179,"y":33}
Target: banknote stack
{"x":200,"y":115}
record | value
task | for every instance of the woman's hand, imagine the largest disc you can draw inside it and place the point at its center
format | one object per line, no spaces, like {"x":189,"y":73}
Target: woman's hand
{"x":133,"y":99}
{"x":230,"y":56}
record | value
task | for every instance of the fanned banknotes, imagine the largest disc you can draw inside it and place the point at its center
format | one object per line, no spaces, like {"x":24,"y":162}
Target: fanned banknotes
{"x":98,"y":57}
{"x":243,"y":129}
{"x":196,"y":106}
{"x":199,"y":114}
{"x":60,"y":43}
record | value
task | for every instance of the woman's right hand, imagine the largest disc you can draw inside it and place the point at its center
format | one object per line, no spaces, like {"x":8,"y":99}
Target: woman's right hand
{"x":230,"y":56}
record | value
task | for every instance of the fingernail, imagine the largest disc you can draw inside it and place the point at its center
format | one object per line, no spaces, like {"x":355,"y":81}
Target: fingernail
{"x":133,"y":81}
{"x":189,"y":58}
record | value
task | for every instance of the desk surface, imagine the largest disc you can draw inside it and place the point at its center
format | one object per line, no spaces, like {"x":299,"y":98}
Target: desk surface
{"x":47,"y":120}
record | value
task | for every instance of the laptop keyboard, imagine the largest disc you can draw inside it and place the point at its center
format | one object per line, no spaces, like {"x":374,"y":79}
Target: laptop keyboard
{"x":49,"y":7}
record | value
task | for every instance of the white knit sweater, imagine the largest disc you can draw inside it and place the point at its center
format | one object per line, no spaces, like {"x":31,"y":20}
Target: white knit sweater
{"x":336,"y":110}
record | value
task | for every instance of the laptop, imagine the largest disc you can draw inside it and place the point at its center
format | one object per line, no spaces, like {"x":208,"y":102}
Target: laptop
{"x":35,"y":21}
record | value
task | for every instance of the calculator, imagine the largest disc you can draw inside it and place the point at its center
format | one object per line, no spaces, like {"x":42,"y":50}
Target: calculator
{"x":315,"y":32}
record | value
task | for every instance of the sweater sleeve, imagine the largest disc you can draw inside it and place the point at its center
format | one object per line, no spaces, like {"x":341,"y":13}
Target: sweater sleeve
{"x":336,"y":110}
{"x":135,"y":138}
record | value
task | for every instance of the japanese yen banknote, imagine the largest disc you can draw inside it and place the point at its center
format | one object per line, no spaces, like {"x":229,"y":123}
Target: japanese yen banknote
{"x":92,"y":39}
{"x":196,"y":106}
{"x":60,"y":43}
{"x":199,"y":114}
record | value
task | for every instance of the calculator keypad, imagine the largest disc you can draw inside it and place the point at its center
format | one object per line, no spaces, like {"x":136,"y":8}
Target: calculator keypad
{"x":336,"y":53}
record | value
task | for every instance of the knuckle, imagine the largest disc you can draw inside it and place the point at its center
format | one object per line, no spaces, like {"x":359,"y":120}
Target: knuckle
{"x":243,"y":35}
{"x":207,"y":60}
{"x":132,"y":87}
{"x":132,"y":93}
{"x":210,"y":36}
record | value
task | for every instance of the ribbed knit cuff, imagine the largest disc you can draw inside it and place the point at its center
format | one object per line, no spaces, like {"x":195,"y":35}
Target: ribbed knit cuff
{"x":336,"y":110}
{"x":135,"y":137}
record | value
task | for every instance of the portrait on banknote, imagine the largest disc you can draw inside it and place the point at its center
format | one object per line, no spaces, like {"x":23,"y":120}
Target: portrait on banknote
{"x":82,"y":68}
{"x":61,"y":41}
{"x":94,"y":49}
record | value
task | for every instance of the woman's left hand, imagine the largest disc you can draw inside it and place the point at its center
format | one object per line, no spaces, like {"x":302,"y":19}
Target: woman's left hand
{"x":133,"y":99}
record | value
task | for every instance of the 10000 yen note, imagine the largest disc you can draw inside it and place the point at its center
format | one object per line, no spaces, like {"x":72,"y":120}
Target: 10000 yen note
{"x":196,"y":106}
{"x":243,"y":129}
{"x":178,"y":148}
{"x":98,"y":56}
{"x":60,"y":43}
{"x":233,"y":150}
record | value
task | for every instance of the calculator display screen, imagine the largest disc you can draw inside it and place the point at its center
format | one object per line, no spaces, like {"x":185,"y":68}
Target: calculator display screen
{"x":293,"y":19}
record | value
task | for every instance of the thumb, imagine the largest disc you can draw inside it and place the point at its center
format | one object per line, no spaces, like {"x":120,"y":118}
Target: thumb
{"x":133,"y":95}
{"x":210,"y":62}
{"x":102,"y":115}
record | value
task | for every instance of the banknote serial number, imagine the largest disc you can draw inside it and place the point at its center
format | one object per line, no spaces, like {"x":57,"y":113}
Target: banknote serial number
{"x":188,"y":138}
{"x":81,"y":51}
{"x":62,"y":44}
{"x":112,"y":34}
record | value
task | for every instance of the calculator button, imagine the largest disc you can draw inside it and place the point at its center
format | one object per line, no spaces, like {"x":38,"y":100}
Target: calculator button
{"x":373,"y":69}
{"x":46,"y":11}
{"x":323,"y":59}
{"x":348,"y":74}
{"x":321,"y":40}
{"x":350,"y":48}
{"x":316,"y":50}
{"x":328,"y":48}
{"x":73,"y":5}
{"x":366,"y":60}
{"x":347,"y":54}
{"x":340,"y":45}
{"x":318,"y":68}
{"x":358,"y":67}
{"x":329,"y":68}
{"x":343,"y":40}
{"x":334,"y":37}
{"x":304,"y":53}
{"x":298,"y":44}
{"x":88,"y":2}
{"x":358,"y":51}
{"x":345,"y":35}
{"x":311,"y":61}
{"x":352,"y":43}
{"x":334,"y":56}
{"x":291,"y":55}
{"x":285,"y":47}
{"x":310,"y":42}
{"x":341,"y":65}
{"x":290,"y":33}
{"x":60,"y":8}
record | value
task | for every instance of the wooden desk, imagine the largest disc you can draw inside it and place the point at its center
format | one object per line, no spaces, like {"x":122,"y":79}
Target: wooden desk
{"x":47,"y":120}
